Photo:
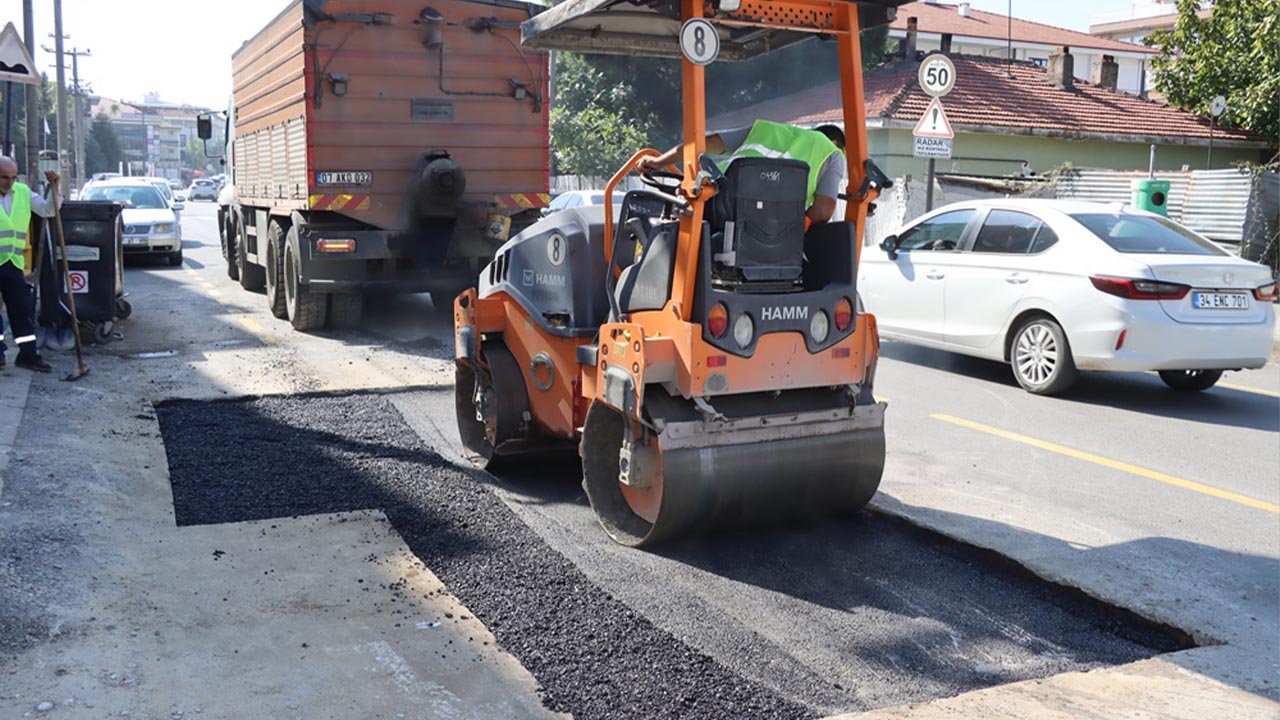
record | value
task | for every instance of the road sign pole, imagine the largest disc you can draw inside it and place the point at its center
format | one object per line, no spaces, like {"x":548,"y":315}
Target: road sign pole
{"x":1209,"y":163}
{"x":928,"y":190}
{"x":8,"y":115}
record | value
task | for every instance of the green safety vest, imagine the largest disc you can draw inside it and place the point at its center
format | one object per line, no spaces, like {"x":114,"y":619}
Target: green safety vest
{"x":14,"y":226}
{"x":776,"y":140}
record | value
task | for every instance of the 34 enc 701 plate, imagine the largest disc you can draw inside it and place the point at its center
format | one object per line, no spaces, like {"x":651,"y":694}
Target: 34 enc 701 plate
{"x":345,"y":177}
{"x":1220,"y":301}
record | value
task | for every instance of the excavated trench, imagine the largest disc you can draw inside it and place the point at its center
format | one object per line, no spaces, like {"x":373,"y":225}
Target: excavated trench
{"x":847,"y":615}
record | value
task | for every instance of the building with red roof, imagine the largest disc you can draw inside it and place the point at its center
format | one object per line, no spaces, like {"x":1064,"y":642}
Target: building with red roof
{"x":957,"y":28}
{"x":1007,"y":116}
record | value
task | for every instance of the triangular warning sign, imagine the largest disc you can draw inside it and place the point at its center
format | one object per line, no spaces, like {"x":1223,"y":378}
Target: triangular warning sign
{"x":934,"y":122}
{"x":16,"y":64}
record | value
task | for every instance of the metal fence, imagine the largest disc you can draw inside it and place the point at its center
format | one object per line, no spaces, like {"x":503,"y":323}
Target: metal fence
{"x":1211,"y":202}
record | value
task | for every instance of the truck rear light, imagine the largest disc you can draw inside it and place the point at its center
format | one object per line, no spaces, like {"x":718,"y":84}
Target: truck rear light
{"x":717,"y":360}
{"x":1120,"y":340}
{"x":329,"y":245}
{"x":844,"y":314}
{"x":1138,"y":289}
{"x":718,"y":320}
{"x":840,"y":353}
{"x":1267,"y":293}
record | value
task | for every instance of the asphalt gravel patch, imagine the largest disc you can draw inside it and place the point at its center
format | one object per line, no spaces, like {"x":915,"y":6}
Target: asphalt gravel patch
{"x":915,"y":615}
{"x":592,"y":655}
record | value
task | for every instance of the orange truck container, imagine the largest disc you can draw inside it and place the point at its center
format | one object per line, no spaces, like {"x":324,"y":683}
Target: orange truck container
{"x":380,"y":146}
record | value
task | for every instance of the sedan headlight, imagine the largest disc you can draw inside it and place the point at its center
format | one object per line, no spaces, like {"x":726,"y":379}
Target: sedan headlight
{"x":162,"y":229}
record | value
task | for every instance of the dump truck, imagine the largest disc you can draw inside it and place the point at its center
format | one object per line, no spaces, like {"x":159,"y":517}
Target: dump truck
{"x":378,"y":147}
{"x":702,"y":346}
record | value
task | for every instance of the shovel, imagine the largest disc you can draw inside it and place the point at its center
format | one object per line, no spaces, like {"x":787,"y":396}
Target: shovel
{"x":81,"y":369}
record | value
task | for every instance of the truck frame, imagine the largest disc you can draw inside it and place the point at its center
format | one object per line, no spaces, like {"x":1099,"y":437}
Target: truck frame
{"x":378,"y":147}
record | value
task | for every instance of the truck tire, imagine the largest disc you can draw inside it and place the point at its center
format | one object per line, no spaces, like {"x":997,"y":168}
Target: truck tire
{"x":345,"y":310}
{"x":306,"y":309}
{"x":252,"y":277}
{"x":229,"y":247}
{"x":275,"y":270}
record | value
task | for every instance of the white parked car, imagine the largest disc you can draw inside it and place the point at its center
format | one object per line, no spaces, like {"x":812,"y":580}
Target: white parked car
{"x":1057,"y":286}
{"x":580,"y":198}
{"x":202,"y":188}
{"x":150,"y":222}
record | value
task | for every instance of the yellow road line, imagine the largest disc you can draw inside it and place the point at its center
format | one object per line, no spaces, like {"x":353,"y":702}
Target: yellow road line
{"x":1246,"y":388}
{"x":215,"y":292}
{"x":253,"y":327}
{"x":1113,"y":464}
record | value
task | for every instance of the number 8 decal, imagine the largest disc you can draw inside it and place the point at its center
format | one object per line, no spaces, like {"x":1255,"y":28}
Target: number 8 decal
{"x":556,"y":249}
{"x":699,"y":41}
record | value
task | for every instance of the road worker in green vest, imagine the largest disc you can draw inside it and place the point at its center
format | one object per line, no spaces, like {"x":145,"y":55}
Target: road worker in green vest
{"x":821,"y":148}
{"x":17,"y":203}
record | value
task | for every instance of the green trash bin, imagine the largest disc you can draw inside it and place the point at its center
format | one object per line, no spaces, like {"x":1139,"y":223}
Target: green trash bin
{"x":1151,"y":195}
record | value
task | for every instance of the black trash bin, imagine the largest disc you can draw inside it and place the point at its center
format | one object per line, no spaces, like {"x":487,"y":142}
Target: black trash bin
{"x":95,"y":257}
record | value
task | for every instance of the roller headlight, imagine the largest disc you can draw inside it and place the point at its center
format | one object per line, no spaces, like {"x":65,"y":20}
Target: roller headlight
{"x":744,"y":330}
{"x":819,"y":326}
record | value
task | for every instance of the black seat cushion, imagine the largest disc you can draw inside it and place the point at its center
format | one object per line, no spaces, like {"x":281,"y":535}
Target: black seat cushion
{"x":765,"y":200}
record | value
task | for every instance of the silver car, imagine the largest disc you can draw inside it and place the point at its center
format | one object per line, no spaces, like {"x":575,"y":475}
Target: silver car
{"x":150,"y":222}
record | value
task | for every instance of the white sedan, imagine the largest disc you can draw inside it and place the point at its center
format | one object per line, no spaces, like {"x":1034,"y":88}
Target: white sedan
{"x":1056,"y":286}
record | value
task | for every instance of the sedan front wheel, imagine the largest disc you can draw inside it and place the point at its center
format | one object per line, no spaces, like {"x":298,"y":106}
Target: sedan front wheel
{"x":1041,"y":357}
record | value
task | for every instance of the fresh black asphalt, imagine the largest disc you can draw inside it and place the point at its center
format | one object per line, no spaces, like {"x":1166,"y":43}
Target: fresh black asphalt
{"x":594,"y":655}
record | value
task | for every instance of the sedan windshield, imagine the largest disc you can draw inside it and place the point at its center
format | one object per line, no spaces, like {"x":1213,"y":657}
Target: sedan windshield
{"x":146,"y":198}
{"x":1129,"y":233}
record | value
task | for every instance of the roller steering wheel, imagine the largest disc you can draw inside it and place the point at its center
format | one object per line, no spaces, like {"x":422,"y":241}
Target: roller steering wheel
{"x":654,"y":180}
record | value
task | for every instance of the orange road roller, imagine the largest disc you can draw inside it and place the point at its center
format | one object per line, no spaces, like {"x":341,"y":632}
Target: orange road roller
{"x":700,"y":344}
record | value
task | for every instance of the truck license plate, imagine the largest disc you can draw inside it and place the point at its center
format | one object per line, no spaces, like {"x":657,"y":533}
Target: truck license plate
{"x":345,"y":177}
{"x":1220,"y":301}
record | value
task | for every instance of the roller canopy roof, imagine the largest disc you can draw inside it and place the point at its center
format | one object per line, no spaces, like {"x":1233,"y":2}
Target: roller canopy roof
{"x":626,"y":27}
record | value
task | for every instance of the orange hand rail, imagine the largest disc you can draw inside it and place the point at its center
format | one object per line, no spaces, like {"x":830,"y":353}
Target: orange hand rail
{"x":624,"y":171}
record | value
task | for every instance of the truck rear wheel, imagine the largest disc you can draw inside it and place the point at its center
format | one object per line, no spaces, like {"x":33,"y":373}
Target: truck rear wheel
{"x":306,"y":309}
{"x":229,"y":246}
{"x":275,"y":270}
{"x":345,"y":310}
{"x":252,"y":277}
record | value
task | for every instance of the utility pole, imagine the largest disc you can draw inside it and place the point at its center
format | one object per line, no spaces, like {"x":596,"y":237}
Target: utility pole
{"x":62,"y":84}
{"x":78,"y":175}
{"x":79,"y":127}
{"x":33,"y":101}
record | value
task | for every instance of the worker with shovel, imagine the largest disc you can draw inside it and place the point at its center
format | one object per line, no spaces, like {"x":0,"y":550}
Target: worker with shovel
{"x":17,"y":203}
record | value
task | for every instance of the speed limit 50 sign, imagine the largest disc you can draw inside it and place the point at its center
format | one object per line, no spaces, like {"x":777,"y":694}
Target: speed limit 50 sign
{"x":937,"y":75}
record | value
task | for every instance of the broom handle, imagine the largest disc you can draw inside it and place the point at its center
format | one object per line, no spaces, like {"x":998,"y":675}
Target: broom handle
{"x":66,"y":276}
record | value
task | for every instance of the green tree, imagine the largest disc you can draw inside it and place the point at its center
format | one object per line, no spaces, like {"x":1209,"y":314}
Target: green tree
{"x":636,"y":100}
{"x":46,"y":95}
{"x":593,"y":141}
{"x":102,"y":147}
{"x":1232,"y":53}
{"x":193,"y":154}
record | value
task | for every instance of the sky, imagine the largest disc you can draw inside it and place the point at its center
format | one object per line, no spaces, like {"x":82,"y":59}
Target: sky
{"x":181,"y":49}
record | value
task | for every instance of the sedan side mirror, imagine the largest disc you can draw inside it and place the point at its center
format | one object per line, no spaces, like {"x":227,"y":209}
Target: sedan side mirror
{"x":177,"y":207}
{"x":890,"y":246}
